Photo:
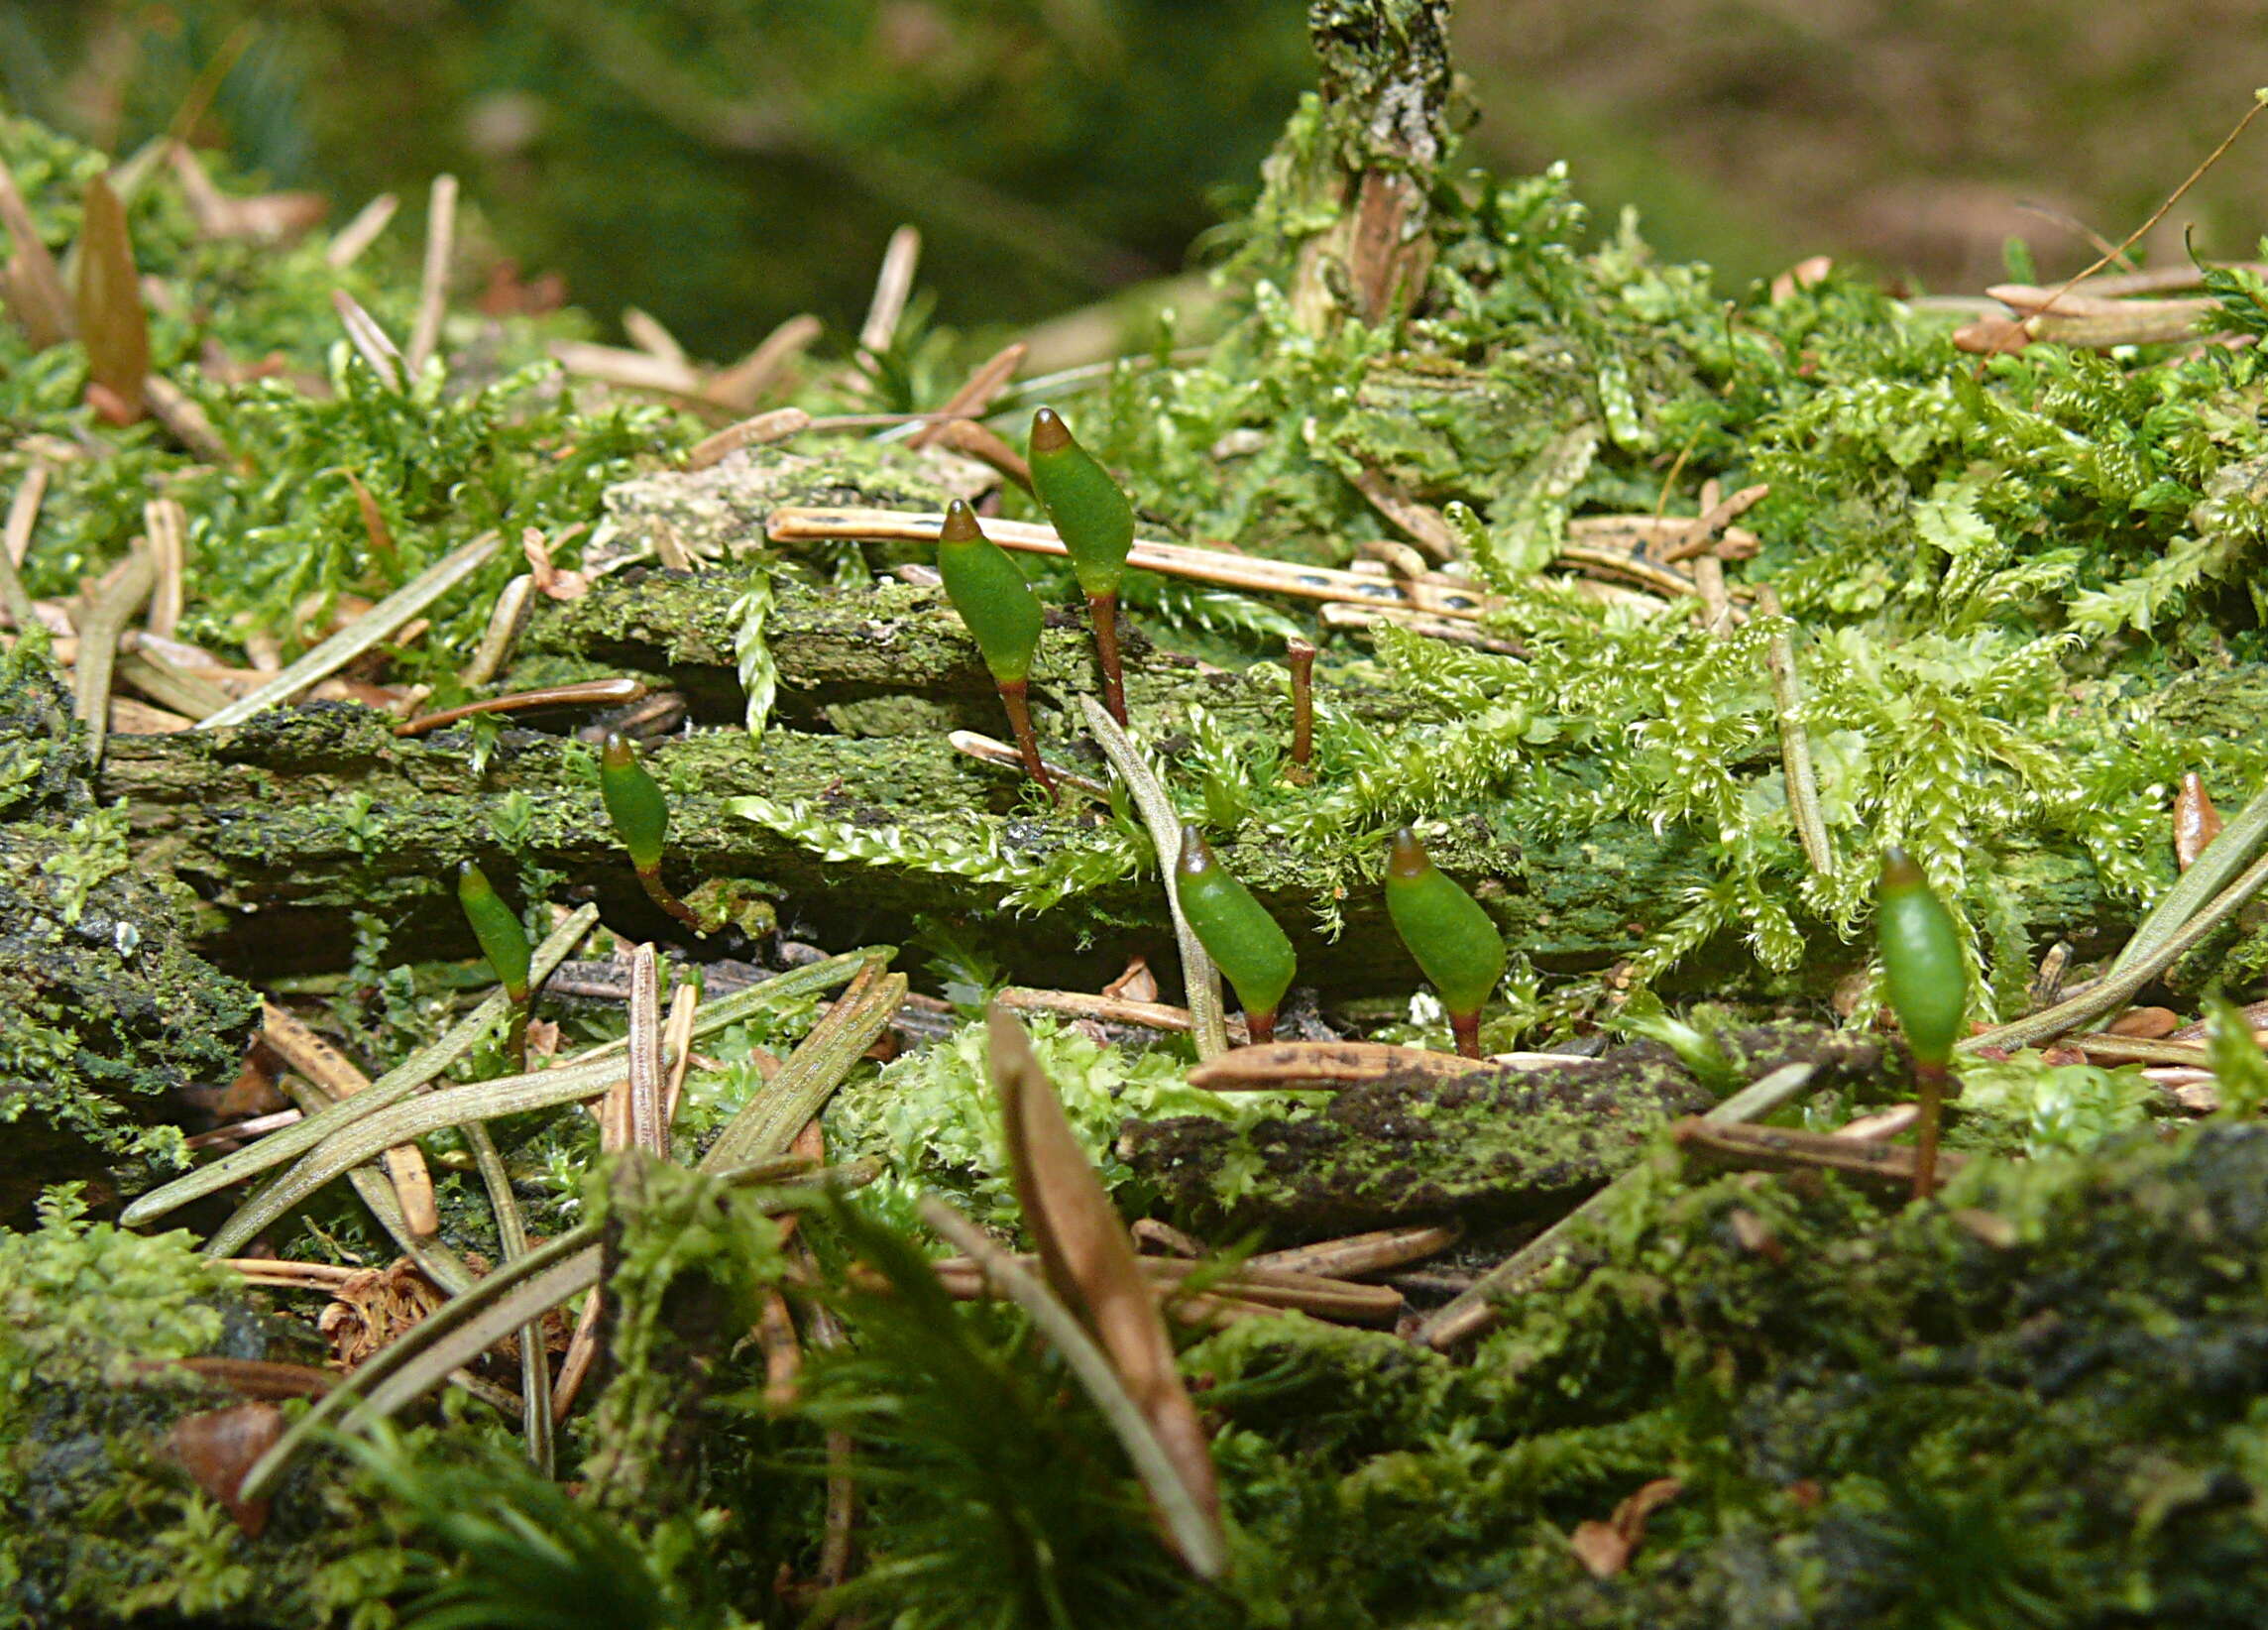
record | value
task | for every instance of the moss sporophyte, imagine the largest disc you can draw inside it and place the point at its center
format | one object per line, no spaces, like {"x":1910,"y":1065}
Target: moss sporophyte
{"x":1446,"y":930}
{"x":1003,"y":615}
{"x":1927,"y":983}
{"x":505,"y":943}
{"x":1237,"y":932}
{"x":1096,"y":524}
{"x":640,"y":815}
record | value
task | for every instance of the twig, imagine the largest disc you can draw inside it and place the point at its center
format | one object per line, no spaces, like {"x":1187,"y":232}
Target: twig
{"x":98,"y":630}
{"x":378,"y":623}
{"x":433,"y":284}
{"x":1444,"y":596}
{"x":1425,"y":526}
{"x":2121,"y":986}
{"x":506,"y":619}
{"x":397,"y":1083}
{"x":308,"y":1053}
{"x":1794,"y":737}
{"x":583,"y":693}
{"x":1784,"y":1149}
{"x":1200,"y":978}
{"x":361,"y":232}
{"x":166,"y":526}
{"x":741,"y":387}
{"x":1291,"y":1065}
{"x":369,"y":339}
{"x":1475,"y":1310}
{"x":966,"y":436}
{"x":1708,"y":530}
{"x":995,"y":751}
{"x":769,"y":1121}
{"x":2159,"y":214}
{"x":975,"y":395}
{"x":1149,"y":1015}
{"x":24,"y":512}
{"x":759,"y":431}
{"x":512,"y":1241}
{"x":1370,"y":1252}
{"x":892,"y":285}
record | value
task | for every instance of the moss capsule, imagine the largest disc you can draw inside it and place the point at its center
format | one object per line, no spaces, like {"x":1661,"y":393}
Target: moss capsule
{"x":1096,"y":524}
{"x":1237,"y":932}
{"x":505,"y":943}
{"x":496,"y":926}
{"x":1446,"y":930}
{"x":1003,"y":615}
{"x":640,"y":815}
{"x":990,"y":595}
{"x":1928,"y":987}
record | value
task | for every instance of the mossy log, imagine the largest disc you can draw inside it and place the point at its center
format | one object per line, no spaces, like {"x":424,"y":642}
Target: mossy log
{"x":1496,"y":1146}
{"x":107,"y":1009}
{"x":287,"y":824}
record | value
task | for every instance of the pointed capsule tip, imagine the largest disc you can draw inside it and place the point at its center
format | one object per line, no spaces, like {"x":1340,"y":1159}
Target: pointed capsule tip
{"x":617,"y":752}
{"x":1408,"y":857}
{"x":1196,"y":854}
{"x":959,"y":523}
{"x":1049,"y":432}
{"x":1899,"y":870}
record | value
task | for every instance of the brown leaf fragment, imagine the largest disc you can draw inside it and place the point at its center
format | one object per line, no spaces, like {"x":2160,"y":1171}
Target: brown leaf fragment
{"x":35,"y":294}
{"x":1599,"y":1548}
{"x":1088,"y":1257}
{"x":1605,"y":1546}
{"x":217,"y":1447}
{"x":2196,"y":822}
{"x":110,"y":302}
{"x":2146,"y":1023}
{"x":1136,"y":984}
{"x":375,"y":1307}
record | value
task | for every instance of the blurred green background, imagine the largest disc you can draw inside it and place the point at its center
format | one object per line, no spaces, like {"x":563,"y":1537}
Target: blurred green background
{"x":727,"y":162}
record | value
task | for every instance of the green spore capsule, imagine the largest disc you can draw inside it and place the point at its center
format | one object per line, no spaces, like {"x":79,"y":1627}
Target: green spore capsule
{"x":640,"y":815}
{"x":1446,"y":930}
{"x":496,"y":926}
{"x":1236,"y":931}
{"x":1096,"y":524}
{"x":990,"y":595}
{"x":1928,"y":988}
{"x":1003,"y":615}
{"x":505,"y":943}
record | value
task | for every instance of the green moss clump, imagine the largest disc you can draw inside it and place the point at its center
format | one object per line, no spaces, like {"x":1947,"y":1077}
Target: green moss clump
{"x":97,"y":1522}
{"x":2035,"y":1403}
{"x":108,"y":1009}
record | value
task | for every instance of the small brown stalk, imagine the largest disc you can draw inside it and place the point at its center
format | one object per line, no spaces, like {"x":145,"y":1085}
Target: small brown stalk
{"x":1300,"y":655}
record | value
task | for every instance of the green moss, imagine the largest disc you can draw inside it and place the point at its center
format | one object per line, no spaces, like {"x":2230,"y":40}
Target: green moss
{"x":2035,"y":1403}
{"x":109,"y":1010}
{"x":1491,"y":1145}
